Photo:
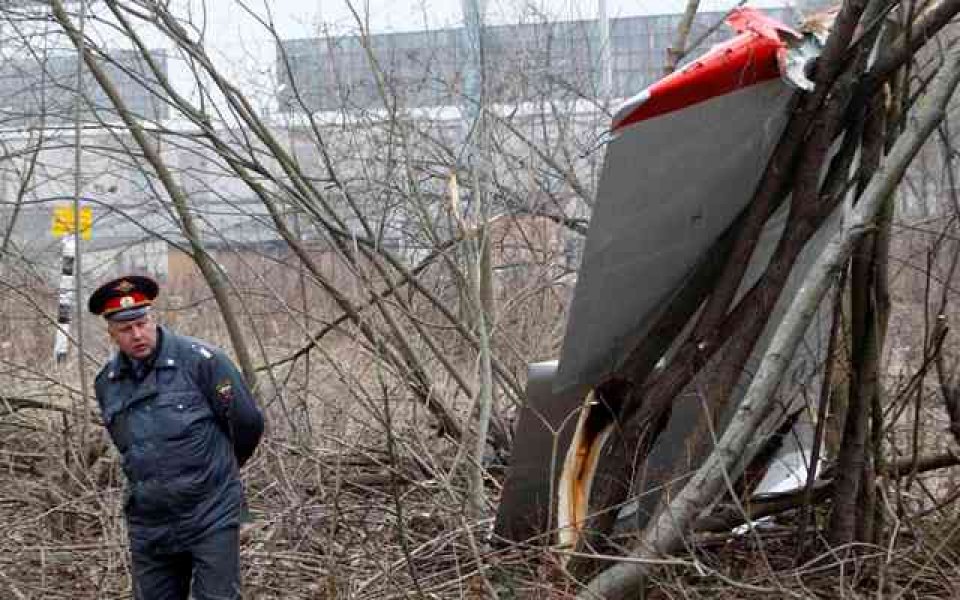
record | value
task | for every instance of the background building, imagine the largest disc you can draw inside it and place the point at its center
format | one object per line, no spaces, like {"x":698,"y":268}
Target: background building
{"x":134,"y":226}
{"x":524,"y":62}
{"x":37,"y":86}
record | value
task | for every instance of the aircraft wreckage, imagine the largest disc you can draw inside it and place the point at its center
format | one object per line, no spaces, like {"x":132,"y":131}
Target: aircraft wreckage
{"x":682,"y":162}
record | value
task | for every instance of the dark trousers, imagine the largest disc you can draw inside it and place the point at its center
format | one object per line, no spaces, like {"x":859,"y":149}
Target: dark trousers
{"x":212,"y":565}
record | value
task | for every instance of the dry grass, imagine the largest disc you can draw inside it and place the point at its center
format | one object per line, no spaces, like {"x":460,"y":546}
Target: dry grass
{"x":344,"y":510}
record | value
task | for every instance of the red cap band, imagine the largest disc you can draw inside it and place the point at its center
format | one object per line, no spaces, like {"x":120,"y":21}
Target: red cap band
{"x":134,"y":299}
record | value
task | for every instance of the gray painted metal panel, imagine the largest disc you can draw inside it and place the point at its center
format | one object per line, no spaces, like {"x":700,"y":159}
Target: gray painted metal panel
{"x":657,"y":258}
{"x":542,"y":437}
{"x":670,"y":186}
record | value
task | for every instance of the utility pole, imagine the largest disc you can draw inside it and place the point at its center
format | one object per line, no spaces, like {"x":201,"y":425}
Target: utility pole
{"x":77,"y":232}
{"x":606,"y":68}
{"x":473,"y":76}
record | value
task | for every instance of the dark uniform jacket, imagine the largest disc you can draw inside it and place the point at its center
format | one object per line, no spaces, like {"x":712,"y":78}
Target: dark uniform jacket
{"x":183,"y":431}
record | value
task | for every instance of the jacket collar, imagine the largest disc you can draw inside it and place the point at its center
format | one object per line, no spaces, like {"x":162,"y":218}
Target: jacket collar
{"x":167,"y":353}
{"x":164,"y":357}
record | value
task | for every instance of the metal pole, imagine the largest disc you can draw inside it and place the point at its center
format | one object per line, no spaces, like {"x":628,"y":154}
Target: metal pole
{"x":65,"y":295}
{"x":78,"y":190}
{"x":473,"y":65}
{"x":606,"y":68}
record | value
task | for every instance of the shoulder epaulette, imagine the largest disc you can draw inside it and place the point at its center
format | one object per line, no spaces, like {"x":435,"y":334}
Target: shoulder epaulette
{"x":202,"y":351}
{"x":107,"y":370}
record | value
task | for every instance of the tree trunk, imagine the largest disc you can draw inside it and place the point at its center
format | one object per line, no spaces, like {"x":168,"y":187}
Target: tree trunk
{"x":853,"y":503}
{"x":678,"y":49}
{"x":208,"y":267}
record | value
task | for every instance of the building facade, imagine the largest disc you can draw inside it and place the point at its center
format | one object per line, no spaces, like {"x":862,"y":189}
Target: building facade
{"x":524,"y":62}
{"x":34,"y":87}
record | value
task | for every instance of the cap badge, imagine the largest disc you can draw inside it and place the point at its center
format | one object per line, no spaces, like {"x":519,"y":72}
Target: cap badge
{"x":123,"y":287}
{"x":127,"y":302}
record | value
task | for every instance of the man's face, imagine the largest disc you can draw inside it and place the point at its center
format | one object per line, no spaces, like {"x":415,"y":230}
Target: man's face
{"x":136,"y":338}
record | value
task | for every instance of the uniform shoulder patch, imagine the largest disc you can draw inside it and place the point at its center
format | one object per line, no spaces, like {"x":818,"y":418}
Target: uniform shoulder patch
{"x":202,"y":351}
{"x":104,"y":372}
{"x":225,"y":390}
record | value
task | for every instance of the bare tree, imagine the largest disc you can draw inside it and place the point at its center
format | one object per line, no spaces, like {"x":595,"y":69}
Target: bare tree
{"x":389,"y":321}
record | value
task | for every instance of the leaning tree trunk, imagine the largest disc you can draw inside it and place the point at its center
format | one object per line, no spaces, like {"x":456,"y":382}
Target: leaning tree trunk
{"x":208,"y":267}
{"x":852,"y":500}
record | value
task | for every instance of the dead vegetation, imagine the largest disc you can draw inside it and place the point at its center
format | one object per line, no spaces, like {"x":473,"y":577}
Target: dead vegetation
{"x":354,"y":495}
{"x":380,"y":370}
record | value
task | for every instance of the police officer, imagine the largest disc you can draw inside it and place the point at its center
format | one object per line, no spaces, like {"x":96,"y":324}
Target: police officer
{"x":184,"y":422}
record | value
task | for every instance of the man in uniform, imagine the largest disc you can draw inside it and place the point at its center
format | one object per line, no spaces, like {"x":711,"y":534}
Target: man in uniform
{"x":184,"y":422}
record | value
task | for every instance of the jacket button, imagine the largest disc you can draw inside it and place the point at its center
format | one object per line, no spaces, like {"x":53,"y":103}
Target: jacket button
{"x":179,"y":407}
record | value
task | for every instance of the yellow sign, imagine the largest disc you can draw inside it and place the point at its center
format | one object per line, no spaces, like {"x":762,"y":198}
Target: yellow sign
{"x":64,"y":221}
